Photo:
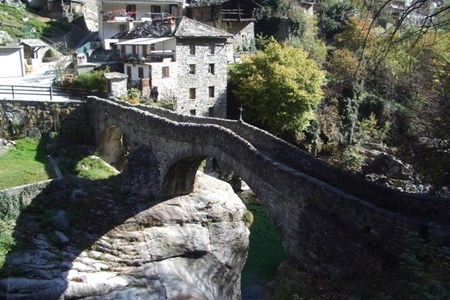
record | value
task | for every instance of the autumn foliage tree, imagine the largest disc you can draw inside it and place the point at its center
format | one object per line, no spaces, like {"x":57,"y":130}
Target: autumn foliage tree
{"x":279,"y":88}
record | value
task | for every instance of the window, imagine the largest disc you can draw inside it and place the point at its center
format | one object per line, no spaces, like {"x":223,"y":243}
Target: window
{"x":122,"y":50}
{"x":192,"y":49}
{"x":144,"y":51}
{"x":192,"y":93}
{"x":123,"y":28}
{"x":133,"y":49}
{"x":173,"y":9}
{"x":129,"y":72}
{"x":141,"y":72}
{"x":211,"y":112}
{"x":212,"y":49}
{"x":191,"y":69}
{"x":152,"y":47}
{"x":131,"y":10}
{"x":211,"y":91}
{"x":156,"y":9}
{"x":211,"y":68}
{"x":165,"y":72}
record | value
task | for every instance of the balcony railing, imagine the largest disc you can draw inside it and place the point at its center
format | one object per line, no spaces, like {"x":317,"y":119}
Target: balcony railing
{"x":238,"y":14}
{"x":154,"y":56}
{"x":119,"y":15}
{"x":157,"y":16}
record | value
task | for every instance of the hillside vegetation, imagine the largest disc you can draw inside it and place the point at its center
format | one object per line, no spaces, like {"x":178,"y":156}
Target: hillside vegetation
{"x":19,"y":22}
{"x":386,"y":87}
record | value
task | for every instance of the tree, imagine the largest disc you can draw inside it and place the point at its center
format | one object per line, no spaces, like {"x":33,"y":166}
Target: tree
{"x":304,"y":28}
{"x":333,"y":14}
{"x":279,"y":88}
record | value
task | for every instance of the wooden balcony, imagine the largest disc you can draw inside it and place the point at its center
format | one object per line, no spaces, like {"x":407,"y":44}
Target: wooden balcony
{"x":238,"y":14}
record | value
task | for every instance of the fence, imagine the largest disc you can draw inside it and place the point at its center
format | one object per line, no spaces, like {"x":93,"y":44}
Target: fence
{"x":28,"y":92}
{"x":21,"y":91}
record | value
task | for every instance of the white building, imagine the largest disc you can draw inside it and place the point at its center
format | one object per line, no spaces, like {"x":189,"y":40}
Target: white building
{"x":12,"y":61}
{"x":122,"y":15}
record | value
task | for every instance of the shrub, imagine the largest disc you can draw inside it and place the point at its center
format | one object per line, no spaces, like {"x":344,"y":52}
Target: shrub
{"x":91,"y":81}
{"x":427,"y":264}
{"x":370,"y":130}
{"x":49,"y":56}
{"x":7,"y":241}
{"x":351,"y":159}
{"x":134,"y":95}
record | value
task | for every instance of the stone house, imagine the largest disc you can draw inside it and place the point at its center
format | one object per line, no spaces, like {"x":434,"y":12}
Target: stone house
{"x":179,"y":60}
{"x":235,"y":16}
{"x":122,"y":15}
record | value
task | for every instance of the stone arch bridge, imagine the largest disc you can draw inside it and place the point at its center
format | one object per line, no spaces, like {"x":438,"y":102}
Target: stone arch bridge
{"x":330,"y":221}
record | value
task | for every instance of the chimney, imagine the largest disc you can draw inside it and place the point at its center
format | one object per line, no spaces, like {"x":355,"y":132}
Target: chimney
{"x":171,"y":22}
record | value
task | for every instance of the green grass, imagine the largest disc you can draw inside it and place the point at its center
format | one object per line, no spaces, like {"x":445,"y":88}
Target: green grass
{"x":94,"y":168}
{"x":12,"y":18}
{"x":266,"y":251}
{"x":25,"y":163}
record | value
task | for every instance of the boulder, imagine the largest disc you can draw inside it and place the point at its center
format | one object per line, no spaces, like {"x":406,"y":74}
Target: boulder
{"x":188,"y":247}
{"x":390,"y":166}
{"x":60,"y":220}
{"x":34,"y":133}
{"x":5,"y":38}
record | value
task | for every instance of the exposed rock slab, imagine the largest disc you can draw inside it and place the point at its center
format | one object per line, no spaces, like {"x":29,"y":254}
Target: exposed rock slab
{"x":189,"y":247}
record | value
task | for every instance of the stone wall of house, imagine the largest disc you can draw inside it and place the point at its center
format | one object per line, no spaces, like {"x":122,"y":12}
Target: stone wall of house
{"x":22,"y":118}
{"x":243,"y":36}
{"x":167,"y":86}
{"x":204,"y":104}
{"x":118,"y":87}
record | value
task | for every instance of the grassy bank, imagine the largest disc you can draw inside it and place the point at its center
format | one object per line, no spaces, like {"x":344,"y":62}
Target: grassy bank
{"x":25,"y":163}
{"x":13,"y":22}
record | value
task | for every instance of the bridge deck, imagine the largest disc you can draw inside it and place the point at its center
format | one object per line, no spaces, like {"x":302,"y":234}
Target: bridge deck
{"x":413,"y":205}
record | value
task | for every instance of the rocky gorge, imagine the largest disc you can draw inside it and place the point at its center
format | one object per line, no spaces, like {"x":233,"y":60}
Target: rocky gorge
{"x":86,"y":240}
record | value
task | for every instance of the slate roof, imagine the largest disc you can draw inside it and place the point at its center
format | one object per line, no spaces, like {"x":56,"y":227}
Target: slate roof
{"x":33,"y":43}
{"x":115,"y":75}
{"x":191,"y":28}
{"x":155,"y":28}
{"x":184,"y":28}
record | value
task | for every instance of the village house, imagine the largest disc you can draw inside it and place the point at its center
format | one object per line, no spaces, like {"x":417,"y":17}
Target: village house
{"x":235,"y":16}
{"x":178,"y":60}
{"x":121,"y":15}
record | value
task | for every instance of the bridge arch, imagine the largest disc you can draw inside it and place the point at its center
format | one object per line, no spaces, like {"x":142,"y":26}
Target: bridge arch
{"x":330,"y":221}
{"x":178,"y":178}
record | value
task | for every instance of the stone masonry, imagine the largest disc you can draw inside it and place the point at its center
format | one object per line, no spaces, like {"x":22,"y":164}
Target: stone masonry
{"x":330,"y":221}
{"x":69,"y":119}
{"x":210,"y":72}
